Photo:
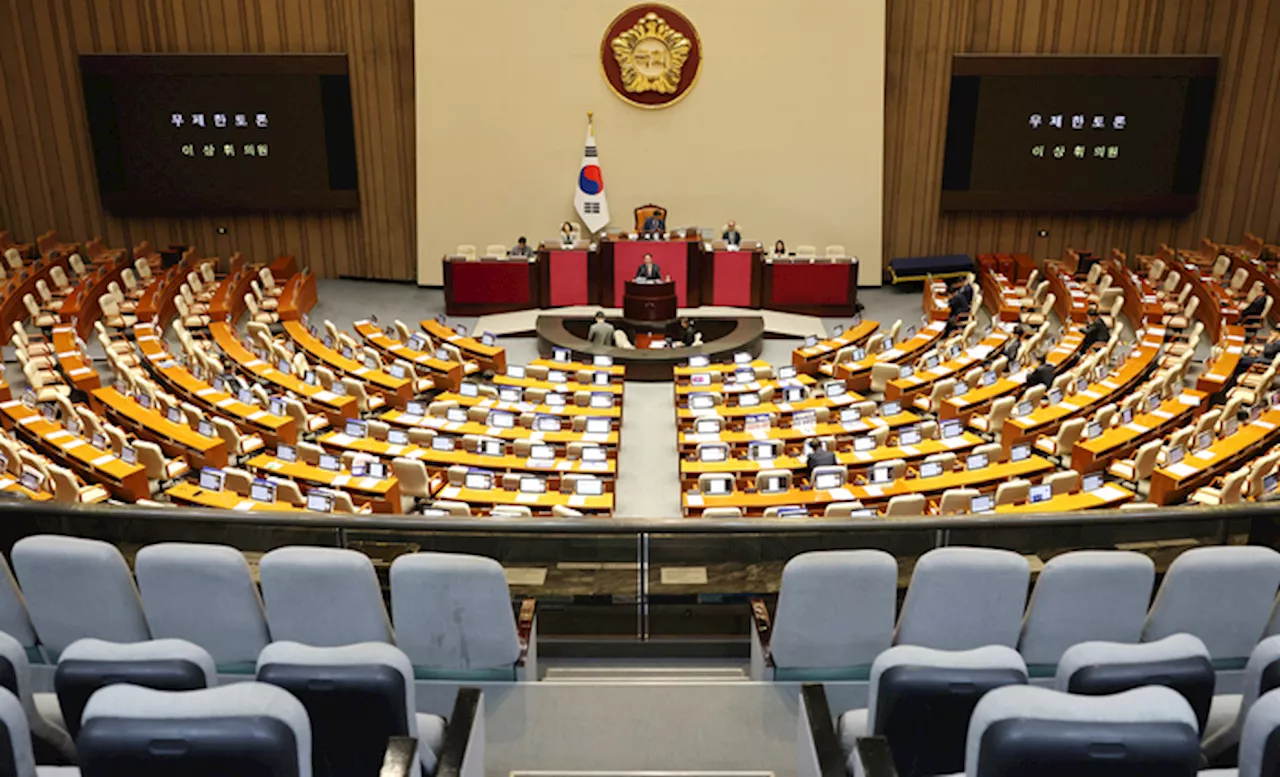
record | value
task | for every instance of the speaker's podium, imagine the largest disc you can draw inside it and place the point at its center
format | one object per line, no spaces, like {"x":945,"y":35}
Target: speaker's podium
{"x":649,"y":302}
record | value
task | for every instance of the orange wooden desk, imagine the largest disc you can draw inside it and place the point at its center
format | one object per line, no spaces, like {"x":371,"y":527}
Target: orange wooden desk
{"x":978,"y":401}
{"x":731,"y":391}
{"x":318,"y":399}
{"x":176,"y":439}
{"x":735,"y":414}
{"x":794,"y":436}
{"x":95,"y":465}
{"x":855,"y":460}
{"x":568,"y":409}
{"x":382,"y":494}
{"x":922,"y":381}
{"x":274,"y":429}
{"x":1117,"y":443}
{"x":11,"y":486}
{"x":1141,"y":304}
{"x":188,"y":493}
{"x":156,"y":303}
{"x":78,"y":369}
{"x":459,"y":428}
{"x":985,"y":479}
{"x":441,"y":460}
{"x":15,"y":287}
{"x":616,"y":371}
{"x":1174,"y":482}
{"x":1001,"y":297}
{"x":490,"y":357}
{"x":857,"y":375}
{"x":298,"y":296}
{"x":935,"y":302}
{"x":446,"y":375}
{"x":683,"y":373}
{"x":397,"y":391}
{"x":807,"y":359}
{"x":1215,"y":376}
{"x":1072,"y":301}
{"x":540,"y":504}
{"x":1113,"y":388}
{"x":1097,"y":499}
{"x":569,"y":386}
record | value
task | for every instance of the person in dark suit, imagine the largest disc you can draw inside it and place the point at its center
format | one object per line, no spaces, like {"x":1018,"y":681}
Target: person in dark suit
{"x":1011,"y":347}
{"x":731,"y":235}
{"x":818,"y":457}
{"x":1268,"y":354}
{"x":958,"y":305}
{"x":688,"y":335}
{"x":654,"y":225}
{"x":1042,"y":375}
{"x":1254,"y":309}
{"x":648,"y":271}
{"x":1096,"y":332}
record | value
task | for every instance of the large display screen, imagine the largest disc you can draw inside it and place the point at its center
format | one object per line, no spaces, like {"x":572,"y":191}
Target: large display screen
{"x":1041,"y":133}
{"x":184,"y":133}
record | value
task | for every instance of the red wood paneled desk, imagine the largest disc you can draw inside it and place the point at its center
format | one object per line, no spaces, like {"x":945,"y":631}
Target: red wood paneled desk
{"x":490,"y":285}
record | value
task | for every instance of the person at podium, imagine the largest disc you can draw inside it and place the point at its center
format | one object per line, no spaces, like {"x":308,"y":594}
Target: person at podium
{"x":648,"y":271}
{"x":654,"y":226}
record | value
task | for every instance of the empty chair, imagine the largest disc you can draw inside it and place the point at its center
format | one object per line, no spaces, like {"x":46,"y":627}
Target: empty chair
{"x":41,"y":712}
{"x":962,"y":598}
{"x":1194,"y":590}
{"x":881,"y":374}
{"x":1179,"y":661}
{"x":17,"y":755}
{"x":163,"y":664}
{"x":1081,"y":596}
{"x":957,"y":500}
{"x":1024,"y":730}
{"x":1229,"y":712}
{"x":1013,"y":492}
{"x":322,"y":596}
{"x":242,"y":728}
{"x":905,"y":506}
{"x":77,"y":588}
{"x":1231,"y":490}
{"x":1059,"y":446}
{"x":357,"y":696}
{"x":992,"y":423}
{"x":454,"y":617}
{"x":921,"y":700}
{"x":834,"y":616}
{"x":203,"y":594}
{"x":1140,"y":467}
{"x":14,"y":619}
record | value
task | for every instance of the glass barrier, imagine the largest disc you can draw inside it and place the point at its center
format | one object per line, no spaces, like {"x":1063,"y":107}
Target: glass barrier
{"x":612,"y":584}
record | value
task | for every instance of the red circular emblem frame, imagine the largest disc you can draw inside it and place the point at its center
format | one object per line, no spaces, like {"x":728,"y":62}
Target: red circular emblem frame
{"x":612,"y":71}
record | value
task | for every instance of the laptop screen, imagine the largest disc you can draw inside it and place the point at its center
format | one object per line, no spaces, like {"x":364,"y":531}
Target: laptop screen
{"x":850,"y":415}
{"x":772,"y":485}
{"x":469,"y":389}
{"x":981,"y":503}
{"x":509,"y":394}
{"x":501,"y":420}
{"x":286,"y":453}
{"x":601,"y":400}
{"x":810,"y":341}
{"x":598,"y":425}
{"x":748,"y":400}
{"x":478,"y":481}
{"x":397,"y":437}
{"x":707,"y":426}
{"x":835,"y":388}
{"x":763,"y":451}
{"x":786,"y":373}
{"x":700,"y":379}
{"x":533,"y":486}
{"x":719,"y":485}
{"x":546,"y":423}
{"x":211,"y":479}
{"x":602,"y":361}
{"x":515,"y":371}
{"x":1020,"y":452}
{"x":1093,"y":482}
{"x":588,"y":487}
{"x":357,"y":429}
{"x":909,"y":435}
{"x":492,"y":448}
{"x":713,"y":453}
{"x":442,"y":443}
{"x":930,"y":469}
{"x":561,"y":355}
{"x":828,"y":480}
{"x":542,"y":452}
{"x":976,"y":461}
{"x":699,"y":361}
{"x":415,"y":409}
{"x":742,"y":357}
{"x":320,"y":502}
{"x":329,"y":462}
{"x":864,"y":443}
{"x":881,"y":475}
{"x":262,"y":491}
{"x":554,"y":399}
{"x":1040,"y":493}
{"x":890,"y":408}
{"x":951,"y":429}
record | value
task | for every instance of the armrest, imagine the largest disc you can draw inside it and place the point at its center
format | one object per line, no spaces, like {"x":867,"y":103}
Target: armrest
{"x":524,"y":627}
{"x":763,"y":627}
{"x":875,"y":757}
{"x":400,"y":758}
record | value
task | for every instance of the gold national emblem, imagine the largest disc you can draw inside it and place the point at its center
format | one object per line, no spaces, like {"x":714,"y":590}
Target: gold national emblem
{"x":650,"y":55}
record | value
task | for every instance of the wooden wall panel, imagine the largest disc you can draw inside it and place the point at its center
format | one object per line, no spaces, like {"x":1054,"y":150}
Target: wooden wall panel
{"x":46,"y":163}
{"x":1241,"y":185}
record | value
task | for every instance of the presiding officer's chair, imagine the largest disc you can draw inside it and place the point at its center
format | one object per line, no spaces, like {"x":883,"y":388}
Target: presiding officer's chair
{"x":645,"y":211}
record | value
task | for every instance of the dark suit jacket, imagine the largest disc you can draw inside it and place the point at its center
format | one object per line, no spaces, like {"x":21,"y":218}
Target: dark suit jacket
{"x":1254,"y":308}
{"x":819,"y":458}
{"x":1040,"y":376}
{"x":967,"y":291}
{"x":732,"y":238}
{"x":1097,"y":332}
{"x":959,"y":303}
{"x":687,"y":336}
{"x":1011,"y":349}
{"x":654,"y":275}
{"x":655,"y":224}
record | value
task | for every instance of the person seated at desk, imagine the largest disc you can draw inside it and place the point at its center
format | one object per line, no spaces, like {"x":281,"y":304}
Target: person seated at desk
{"x":568,"y":233}
{"x":601,"y":332}
{"x":1269,"y":352}
{"x":731,"y":234}
{"x":817,"y":455}
{"x":654,"y":227}
{"x":688,"y":335}
{"x":779,"y":248}
{"x":521,"y":249}
{"x":648,"y":271}
{"x":959,"y":304}
{"x":1096,"y":332}
{"x":1042,"y":375}
{"x":1011,"y":347}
